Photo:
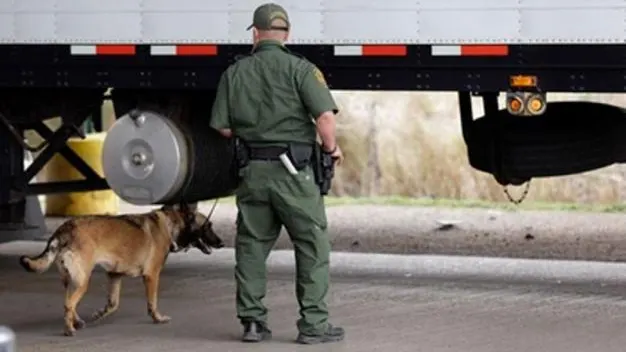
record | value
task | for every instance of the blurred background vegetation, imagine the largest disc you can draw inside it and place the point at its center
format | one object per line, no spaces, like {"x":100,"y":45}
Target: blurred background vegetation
{"x":409,"y":144}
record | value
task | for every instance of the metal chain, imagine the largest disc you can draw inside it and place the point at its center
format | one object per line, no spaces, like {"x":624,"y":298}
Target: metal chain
{"x":521,"y":198}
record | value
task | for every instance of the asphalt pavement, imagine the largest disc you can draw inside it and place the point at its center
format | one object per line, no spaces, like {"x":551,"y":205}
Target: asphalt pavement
{"x":385,"y":302}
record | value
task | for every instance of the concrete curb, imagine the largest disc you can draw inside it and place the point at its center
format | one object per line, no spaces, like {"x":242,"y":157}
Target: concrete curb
{"x":441,"y":267}
{"x":393,"y":266}
{"x":469,"y":232}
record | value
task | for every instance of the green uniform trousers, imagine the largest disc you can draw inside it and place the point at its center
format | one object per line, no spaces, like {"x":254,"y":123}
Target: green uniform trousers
{"x":268,"y":198}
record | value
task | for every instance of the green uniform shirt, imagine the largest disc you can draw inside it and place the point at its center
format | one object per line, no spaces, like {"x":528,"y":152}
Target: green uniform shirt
{"x":271,"y":96}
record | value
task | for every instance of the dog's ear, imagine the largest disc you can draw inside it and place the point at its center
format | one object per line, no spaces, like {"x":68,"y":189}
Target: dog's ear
{"x":187,"y":212}
{"x":188,"y":208}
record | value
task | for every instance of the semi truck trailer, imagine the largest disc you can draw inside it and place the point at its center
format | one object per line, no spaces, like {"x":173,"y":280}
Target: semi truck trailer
{"x":159,"y":62}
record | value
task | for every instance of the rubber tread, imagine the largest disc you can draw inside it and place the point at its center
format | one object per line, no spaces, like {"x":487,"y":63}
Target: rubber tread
{"x":212,"y":171}
{"x":571,"y":137}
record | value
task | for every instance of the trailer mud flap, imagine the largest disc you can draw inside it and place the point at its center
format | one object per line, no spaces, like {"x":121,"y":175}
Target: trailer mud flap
{"x":569,"y":138}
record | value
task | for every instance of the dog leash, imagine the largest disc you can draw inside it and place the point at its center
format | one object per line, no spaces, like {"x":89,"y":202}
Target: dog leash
{"x":208,"y":218}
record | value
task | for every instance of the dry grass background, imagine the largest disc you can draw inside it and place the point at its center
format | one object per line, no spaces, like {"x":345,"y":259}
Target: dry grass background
{"x":409,"y":144}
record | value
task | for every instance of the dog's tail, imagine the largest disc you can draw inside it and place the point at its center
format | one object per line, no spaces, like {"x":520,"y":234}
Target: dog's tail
{"x":43,"y":261}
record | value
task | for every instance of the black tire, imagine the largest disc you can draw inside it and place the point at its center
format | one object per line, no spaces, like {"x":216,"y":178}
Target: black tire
{"x":213,"y":173}
{"x":569,"y":138}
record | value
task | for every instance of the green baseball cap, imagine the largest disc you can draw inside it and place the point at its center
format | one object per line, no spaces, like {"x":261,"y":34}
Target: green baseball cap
{"x":265,"y":14}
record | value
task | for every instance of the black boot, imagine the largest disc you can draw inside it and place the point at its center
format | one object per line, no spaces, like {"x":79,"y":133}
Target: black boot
{"x":332,"y":334}
{"x":254,"y":331}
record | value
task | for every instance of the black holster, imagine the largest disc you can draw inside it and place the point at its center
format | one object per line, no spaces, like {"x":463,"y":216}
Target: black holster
{"x":323,"y":168}
{"x":242,"y":156}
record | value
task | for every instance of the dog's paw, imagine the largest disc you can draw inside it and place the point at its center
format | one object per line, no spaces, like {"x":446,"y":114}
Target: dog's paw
{"x":98,"y":315}
{"x":69,"y":332}
{"x":163,"y":319}
{"x":79,"y":324}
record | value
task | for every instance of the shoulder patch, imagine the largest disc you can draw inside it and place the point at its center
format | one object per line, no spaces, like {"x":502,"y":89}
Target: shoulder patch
{"x":319,"y":76}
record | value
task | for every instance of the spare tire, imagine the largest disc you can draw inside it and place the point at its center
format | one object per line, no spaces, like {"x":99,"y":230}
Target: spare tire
{"x":570,"y":138}
{"x":150,"y":159}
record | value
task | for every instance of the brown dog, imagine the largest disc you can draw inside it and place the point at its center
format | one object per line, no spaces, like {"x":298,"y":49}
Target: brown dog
{"x":124,"y":245}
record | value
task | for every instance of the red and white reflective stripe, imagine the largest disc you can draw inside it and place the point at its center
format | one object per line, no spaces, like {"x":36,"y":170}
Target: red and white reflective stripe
{"x":106,"y":49}
{"x":470,"y":50}
{"x":370,"y":50}
{"x":339,"y":50}
{"x":183,"y":50}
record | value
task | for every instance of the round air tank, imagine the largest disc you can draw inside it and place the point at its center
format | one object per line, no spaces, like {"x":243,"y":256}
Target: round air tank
{"x":148,"y":158}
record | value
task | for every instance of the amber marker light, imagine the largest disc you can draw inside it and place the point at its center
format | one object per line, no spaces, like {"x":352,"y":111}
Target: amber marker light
{"x":523,"y":81}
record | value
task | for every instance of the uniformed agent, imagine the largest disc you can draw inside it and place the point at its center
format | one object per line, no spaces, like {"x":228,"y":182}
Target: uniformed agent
{"x":269,"y":99}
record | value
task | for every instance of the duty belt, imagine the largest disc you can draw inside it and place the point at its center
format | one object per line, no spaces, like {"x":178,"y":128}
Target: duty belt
{"x":266,"y":153}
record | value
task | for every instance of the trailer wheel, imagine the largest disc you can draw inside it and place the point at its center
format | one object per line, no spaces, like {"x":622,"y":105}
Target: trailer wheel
{"x":571,"y":137}
{"x":150,"y":159}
